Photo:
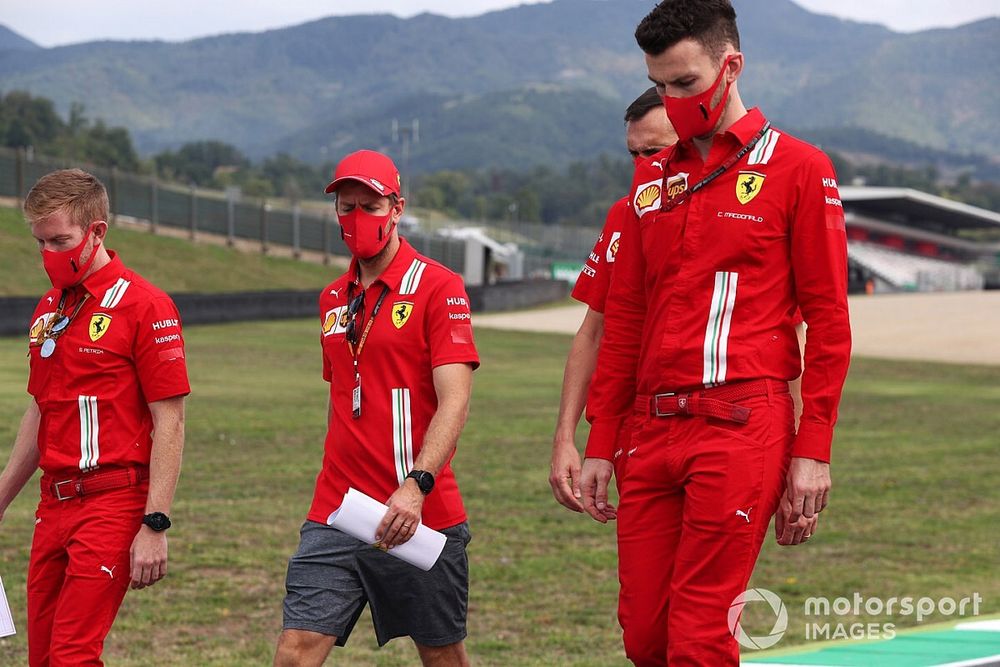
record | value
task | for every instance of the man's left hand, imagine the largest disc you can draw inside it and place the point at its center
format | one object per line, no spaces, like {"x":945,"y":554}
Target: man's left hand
{"x":401,"y":520}
{"x":148,"y":557}
{"x":807,"y":488}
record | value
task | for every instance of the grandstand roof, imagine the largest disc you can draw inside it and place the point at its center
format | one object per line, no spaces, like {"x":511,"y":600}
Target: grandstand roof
{"x":917,"y":208}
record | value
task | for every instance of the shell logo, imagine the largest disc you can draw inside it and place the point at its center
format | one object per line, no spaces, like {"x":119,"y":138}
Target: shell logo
{"x":647,"y":198}
{"x":613,"y":247}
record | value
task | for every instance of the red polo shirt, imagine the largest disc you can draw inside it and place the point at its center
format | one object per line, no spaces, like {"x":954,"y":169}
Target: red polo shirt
{"x":592,"y":286}
{"x":709,"y":293}
{"x":424,"y":322}
{"x":122,"y":351}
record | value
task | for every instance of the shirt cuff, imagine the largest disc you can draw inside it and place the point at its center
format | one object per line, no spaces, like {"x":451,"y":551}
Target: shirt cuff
{"x":602,"y":439}
{"x":813,"y":441}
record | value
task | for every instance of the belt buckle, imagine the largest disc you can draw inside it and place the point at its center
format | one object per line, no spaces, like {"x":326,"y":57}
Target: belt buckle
{"x":656,"y":405}
{"x":59,"y":495}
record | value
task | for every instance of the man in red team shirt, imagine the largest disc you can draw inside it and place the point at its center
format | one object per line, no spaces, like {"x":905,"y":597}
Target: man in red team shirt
{"x":105,"y":424}
{"x":734,"y":228}
{"x":647,"y":132}
{"x":398,"y":353}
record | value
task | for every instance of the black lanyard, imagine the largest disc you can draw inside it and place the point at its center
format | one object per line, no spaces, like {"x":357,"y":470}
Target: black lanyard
{"x":733,"y":159}
{"x":356,"y":351}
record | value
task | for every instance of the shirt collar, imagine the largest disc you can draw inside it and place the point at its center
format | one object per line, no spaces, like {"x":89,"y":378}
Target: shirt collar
{"x":747,"y":127}
{"x":392,"y":276}
{"x":104,"y":277}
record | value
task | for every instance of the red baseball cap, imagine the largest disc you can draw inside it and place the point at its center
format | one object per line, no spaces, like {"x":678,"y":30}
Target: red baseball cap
{"x":373,"y":169}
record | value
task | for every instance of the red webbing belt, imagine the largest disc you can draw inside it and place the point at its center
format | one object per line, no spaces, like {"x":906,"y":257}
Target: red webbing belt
{"x":89,"y":484}
{"x":718,"y":402}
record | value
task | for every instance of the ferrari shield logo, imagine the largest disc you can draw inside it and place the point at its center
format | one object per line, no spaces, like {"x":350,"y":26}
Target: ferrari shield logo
{"x":99,"y":324}
{"x":401,"y":312}
{"x":748,"y":185}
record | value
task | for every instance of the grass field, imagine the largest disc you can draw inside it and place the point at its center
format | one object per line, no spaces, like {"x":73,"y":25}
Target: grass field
{"x":175,"y":265}
{"x":914,"y":510}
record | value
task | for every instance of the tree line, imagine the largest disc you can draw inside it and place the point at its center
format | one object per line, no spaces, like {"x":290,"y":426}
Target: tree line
{"x":578,"y":194}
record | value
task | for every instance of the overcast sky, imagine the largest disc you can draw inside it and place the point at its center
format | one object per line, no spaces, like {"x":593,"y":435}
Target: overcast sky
{"x":56,"y":22}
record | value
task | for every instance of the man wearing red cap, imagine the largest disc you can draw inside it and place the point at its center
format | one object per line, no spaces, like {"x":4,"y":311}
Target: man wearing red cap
{"x":105,"y":425}
{"x":734,"y":228}
{"x":398,"y":353}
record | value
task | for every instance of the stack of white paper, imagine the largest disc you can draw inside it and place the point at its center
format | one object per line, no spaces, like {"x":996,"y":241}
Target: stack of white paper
{"x":359,"y":515}
{"x":6,"y":620}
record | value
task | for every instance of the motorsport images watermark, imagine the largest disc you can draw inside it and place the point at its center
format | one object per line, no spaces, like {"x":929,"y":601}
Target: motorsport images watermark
{"x":821,"y":614}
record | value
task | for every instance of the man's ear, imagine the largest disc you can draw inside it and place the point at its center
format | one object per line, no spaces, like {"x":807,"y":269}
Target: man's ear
{"x":100,"y":231}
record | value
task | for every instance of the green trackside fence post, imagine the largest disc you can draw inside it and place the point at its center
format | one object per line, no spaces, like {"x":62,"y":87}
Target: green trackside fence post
{"x":230,"y":221}
{"x":193,"y":213}
{"x":154,"y":205}
{"x":19,"y":176}
{"x":113,"y":196}
{"x":326,"y":238}
{"x":263,"y":226}
{"x":296,"y":232}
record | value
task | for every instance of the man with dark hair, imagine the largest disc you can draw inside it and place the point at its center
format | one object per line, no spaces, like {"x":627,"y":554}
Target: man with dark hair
{"x":736,"y":226}
{"x":647,"y":132}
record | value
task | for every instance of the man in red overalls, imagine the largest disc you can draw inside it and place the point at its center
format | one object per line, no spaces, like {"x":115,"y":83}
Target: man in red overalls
{"x":647,"y":132}
{"x":734,"y":228}
{"x":105,"y":424}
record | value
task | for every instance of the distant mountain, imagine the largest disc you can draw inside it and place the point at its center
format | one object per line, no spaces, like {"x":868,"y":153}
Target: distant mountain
{"x":542,"y":83}
{"x":11,"y":41}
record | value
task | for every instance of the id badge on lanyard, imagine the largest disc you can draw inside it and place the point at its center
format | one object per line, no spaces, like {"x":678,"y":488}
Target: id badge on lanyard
{"x":356,"y":397}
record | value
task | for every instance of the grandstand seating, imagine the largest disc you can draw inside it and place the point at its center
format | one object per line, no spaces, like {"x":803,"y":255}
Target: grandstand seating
{"x":912,"y":272}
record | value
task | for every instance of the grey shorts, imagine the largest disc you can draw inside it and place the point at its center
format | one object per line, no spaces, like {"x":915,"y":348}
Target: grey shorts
{"x":332,"y":576}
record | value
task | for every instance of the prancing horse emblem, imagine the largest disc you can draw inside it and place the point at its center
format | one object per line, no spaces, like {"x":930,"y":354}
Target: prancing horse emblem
{"x":748,"y":185}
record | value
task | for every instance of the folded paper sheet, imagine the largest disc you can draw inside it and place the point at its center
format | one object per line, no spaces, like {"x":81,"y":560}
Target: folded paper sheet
{"x":359,"y":515}
{"x":6,"y":620}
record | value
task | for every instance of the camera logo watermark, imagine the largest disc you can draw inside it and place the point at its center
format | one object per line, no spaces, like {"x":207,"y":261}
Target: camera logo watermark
{"x":780,"y":618}
{"x":839,"y":618}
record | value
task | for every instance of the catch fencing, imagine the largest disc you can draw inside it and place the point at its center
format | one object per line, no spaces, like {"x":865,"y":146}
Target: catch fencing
{"x":195,"y":210}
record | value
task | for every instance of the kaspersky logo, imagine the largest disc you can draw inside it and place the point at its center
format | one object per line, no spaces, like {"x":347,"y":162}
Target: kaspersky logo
{"x":777,"y":607}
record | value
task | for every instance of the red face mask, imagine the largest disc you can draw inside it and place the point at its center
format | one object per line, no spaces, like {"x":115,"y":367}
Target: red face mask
{"x":364,"y":233}
{"x":691,"y":116}
{"x":64,"y":266}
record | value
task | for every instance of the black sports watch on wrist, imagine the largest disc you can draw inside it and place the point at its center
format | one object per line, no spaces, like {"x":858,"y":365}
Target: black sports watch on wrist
{"x":425,"y":480}
{"x":157,"y":521}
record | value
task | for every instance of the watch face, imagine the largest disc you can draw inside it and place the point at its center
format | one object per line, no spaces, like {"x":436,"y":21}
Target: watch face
{"x":424,"y":480}
{"x":158,"y":521}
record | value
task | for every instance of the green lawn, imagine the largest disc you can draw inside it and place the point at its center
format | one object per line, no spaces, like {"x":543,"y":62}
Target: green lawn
{"x":914,"y":502}
{"x":173,"y":264}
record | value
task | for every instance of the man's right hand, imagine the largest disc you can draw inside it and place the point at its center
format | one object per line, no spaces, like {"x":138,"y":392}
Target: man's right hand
{"x":564,"y":475}
{"x":594,"y":479}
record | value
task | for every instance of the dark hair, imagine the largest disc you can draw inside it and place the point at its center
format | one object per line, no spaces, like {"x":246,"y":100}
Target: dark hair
{"x":712,"y":23}
{"x":643,"y":104}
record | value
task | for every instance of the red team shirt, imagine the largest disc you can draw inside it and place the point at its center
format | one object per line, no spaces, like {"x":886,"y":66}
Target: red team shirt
{"x":592,"y":286}
{"x":709,"y":293}
{"x":424,"y":322}
{"x":123,"y":350}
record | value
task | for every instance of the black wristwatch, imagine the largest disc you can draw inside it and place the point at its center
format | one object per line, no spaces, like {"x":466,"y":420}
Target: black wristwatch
{"x":425,"y":480}
{"x":158,"y":521}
